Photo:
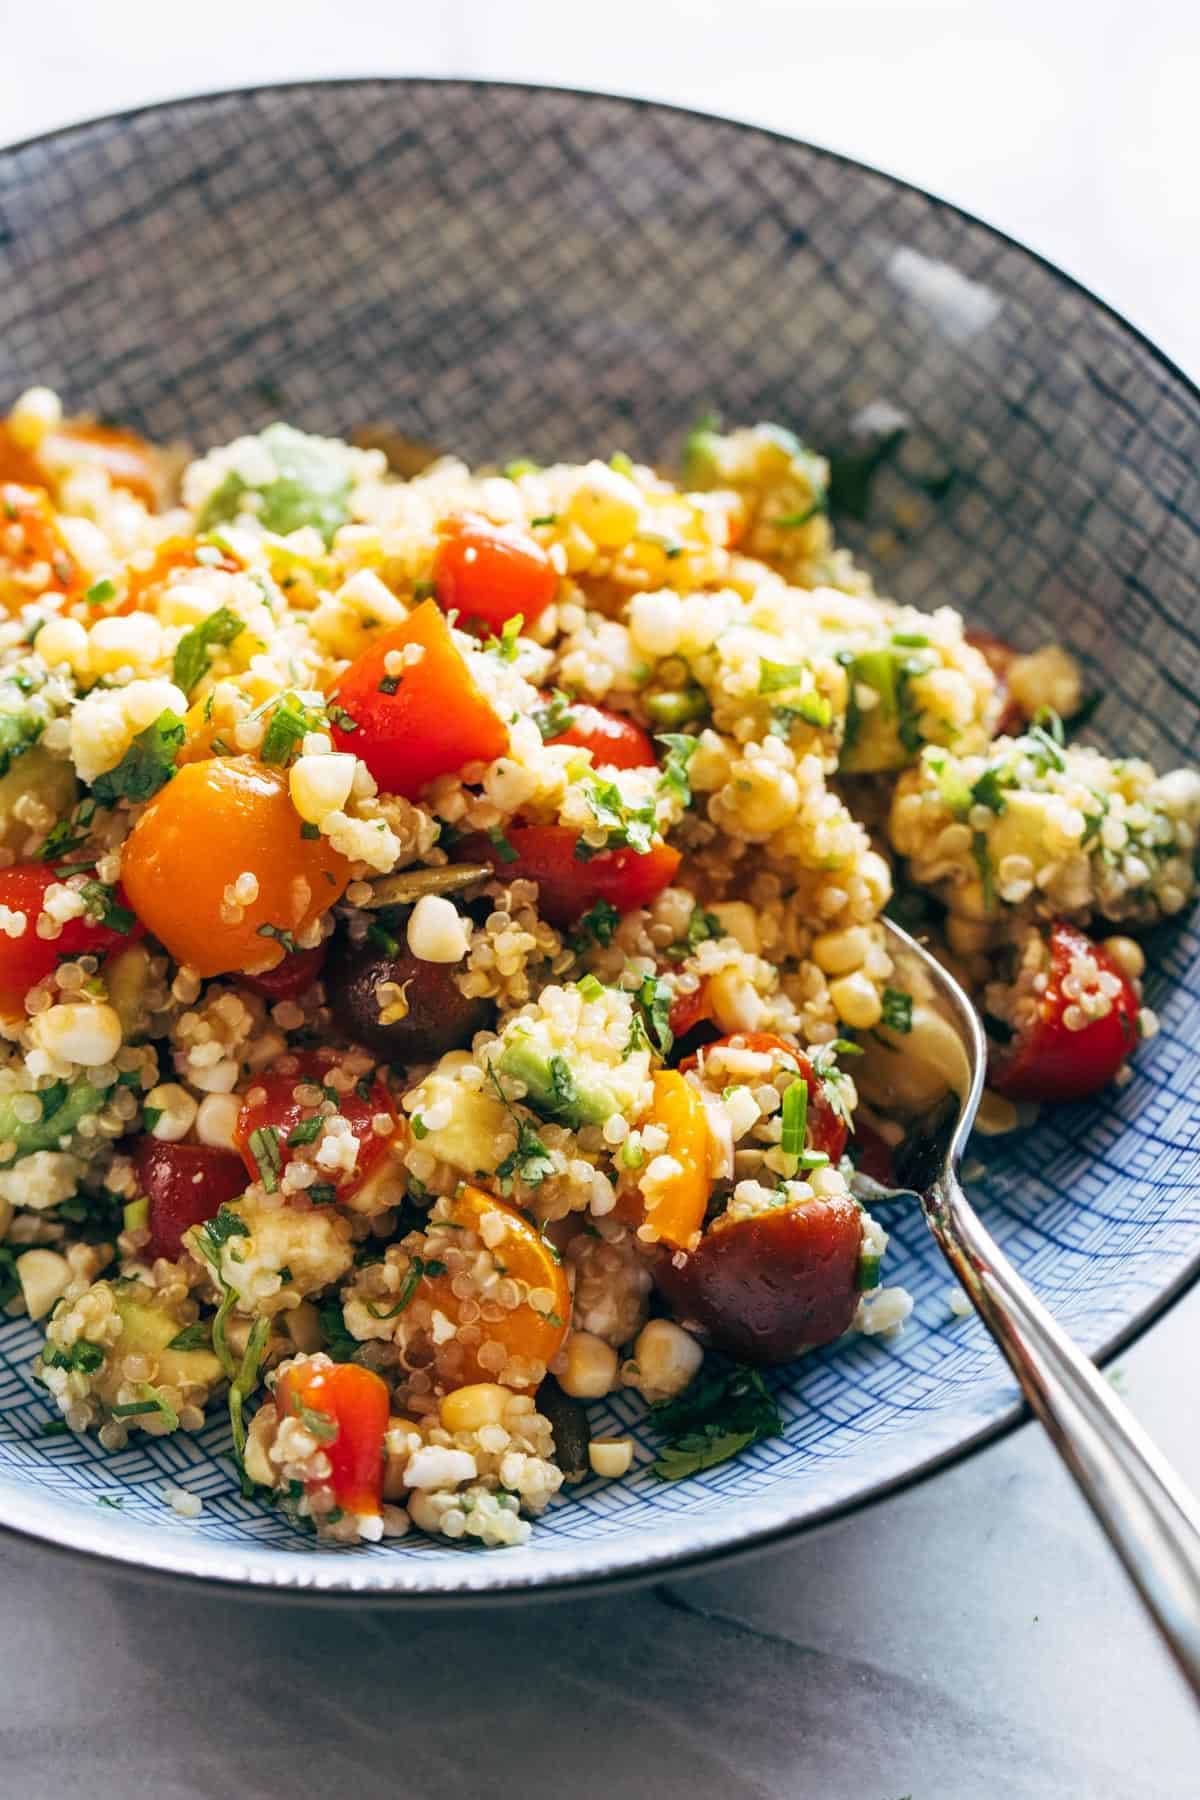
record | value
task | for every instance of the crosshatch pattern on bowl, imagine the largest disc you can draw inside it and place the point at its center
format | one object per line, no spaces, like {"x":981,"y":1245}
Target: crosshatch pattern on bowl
{"x":508,"y":271}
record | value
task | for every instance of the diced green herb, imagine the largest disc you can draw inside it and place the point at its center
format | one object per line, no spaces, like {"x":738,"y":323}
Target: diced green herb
{"x":191,"y":653}
{"x":795,"y":1118}
{"x":146,"y":766}
{"x":101,"y":592}
{"x":673,"y":778}
{"x":193,"y":1337}
{"x":597,"y":924}
{"x":279,"y":935}
{"x":69,"y":833}
{"x":627,"y":827}
{"x":590,"y":988}
{"x":306,"y":1132}
{"x":545,"y":519}
{"x":101,"y":902}
{"x":339,"y":1343}
{"x":419,"y":1128}
{"x":288,"y":726}
{"x":82,"y":1357}
{"x":653,"y":1001}
{"x":714,"y":1419}
{"x":867,"y":1274}
{"x":505,"y":646}
{"x":150,"y":1116}
{"x":408,"y":1287}
{"x":382,"y":939}
{"x":897,"y":1010}
{"x":555,"y":718}
{"x":268,"y":1158}
{"x":529,"y":1160}
{"x":242,"y":1387}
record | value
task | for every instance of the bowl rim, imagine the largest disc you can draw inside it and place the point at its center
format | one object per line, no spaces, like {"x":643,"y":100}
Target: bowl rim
{"x":419,"y":1585}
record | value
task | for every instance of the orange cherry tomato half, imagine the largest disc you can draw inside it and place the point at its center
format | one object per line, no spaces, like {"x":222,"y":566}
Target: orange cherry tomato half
{"x":614,"y":741}
{"x":127,"y":459}
{"x":765,"y":1288}
{"x":566,"y":886}
{"x":357,"y":1402}
{"x":28,"y":959}
{"x":211,"y":823}
{"x":429,"y":720}
{"x":34,"y":558}
{"x":1052,"y":1062}
{"x":490,"y":574}
{"x":534,"y":1333}
{"x":272,"y":1105}
{"x":186,"y":1184}
{"x":826,"y":1129}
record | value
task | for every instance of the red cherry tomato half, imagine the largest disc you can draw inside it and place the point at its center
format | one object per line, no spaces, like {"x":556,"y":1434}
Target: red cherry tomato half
{"x":826,"y":1129}
{"x":566,"y":886}
{"x":271,"y":1105}
{"x":185,"y":1185}
{"x":614,"y":741}
{"x":357,"y":1402}
{"x":294,"y":975}
{"x":491,"y":573}
{"x":688,"y":1011}
{"x":1052,"y":1062}
{"x":764,"y":1289}
{"x":29,"y":958}
{"x":428,"y":720}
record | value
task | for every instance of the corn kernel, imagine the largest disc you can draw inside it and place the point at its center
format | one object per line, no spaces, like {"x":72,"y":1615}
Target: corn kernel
{"x":471,"y":1408}
{"x":841,"y":952}
{"x":176,"y":1111}
{"x":856,"y":1001}
{"x":437,"y":931}
{"x":78,"y":1033}
{"x":35,"y":414}
{"x":610,"y":1457}
{"x":589,"y":1367}
{"x":321,"y":784}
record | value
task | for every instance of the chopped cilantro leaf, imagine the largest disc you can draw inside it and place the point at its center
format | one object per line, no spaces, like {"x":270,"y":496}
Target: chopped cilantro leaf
{"x":268,"y":1158}
{"x":714,"y":1419}
{"x":191,"y":652}
{"x":147,"y":765}
{"x":897,"y":1010}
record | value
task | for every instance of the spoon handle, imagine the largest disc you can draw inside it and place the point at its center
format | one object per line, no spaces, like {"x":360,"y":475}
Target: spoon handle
{"x":1151,"y":1518}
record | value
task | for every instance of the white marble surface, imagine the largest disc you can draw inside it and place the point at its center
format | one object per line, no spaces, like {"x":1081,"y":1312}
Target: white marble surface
{"x":969,"y":1639}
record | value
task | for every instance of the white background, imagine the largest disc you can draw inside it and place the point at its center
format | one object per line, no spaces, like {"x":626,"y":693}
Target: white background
{"x":969,"y":1639}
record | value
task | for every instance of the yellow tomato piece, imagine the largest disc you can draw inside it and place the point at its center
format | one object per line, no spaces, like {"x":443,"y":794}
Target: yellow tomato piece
{"x":677,"y":1211}
{"x":212,"y":824}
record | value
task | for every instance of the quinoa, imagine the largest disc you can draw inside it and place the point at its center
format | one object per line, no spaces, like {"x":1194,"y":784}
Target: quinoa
{"x":443,"y":1083}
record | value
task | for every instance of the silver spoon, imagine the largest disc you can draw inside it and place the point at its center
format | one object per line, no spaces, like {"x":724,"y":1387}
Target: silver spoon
{"x":1150,"y":1516}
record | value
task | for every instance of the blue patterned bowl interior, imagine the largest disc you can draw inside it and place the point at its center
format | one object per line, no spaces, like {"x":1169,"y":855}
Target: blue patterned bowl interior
{"x":509,"y":272}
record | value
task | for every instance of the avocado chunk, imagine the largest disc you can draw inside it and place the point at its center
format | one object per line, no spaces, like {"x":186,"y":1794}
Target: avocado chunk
{"x":63,"y":1105}
{"x":311,"y":486}
{"x":149,"y":1330}
{"x":555,"y":1089}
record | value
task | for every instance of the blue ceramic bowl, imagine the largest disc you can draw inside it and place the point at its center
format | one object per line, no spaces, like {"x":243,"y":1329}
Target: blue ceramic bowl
{"x":514,"y":271}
